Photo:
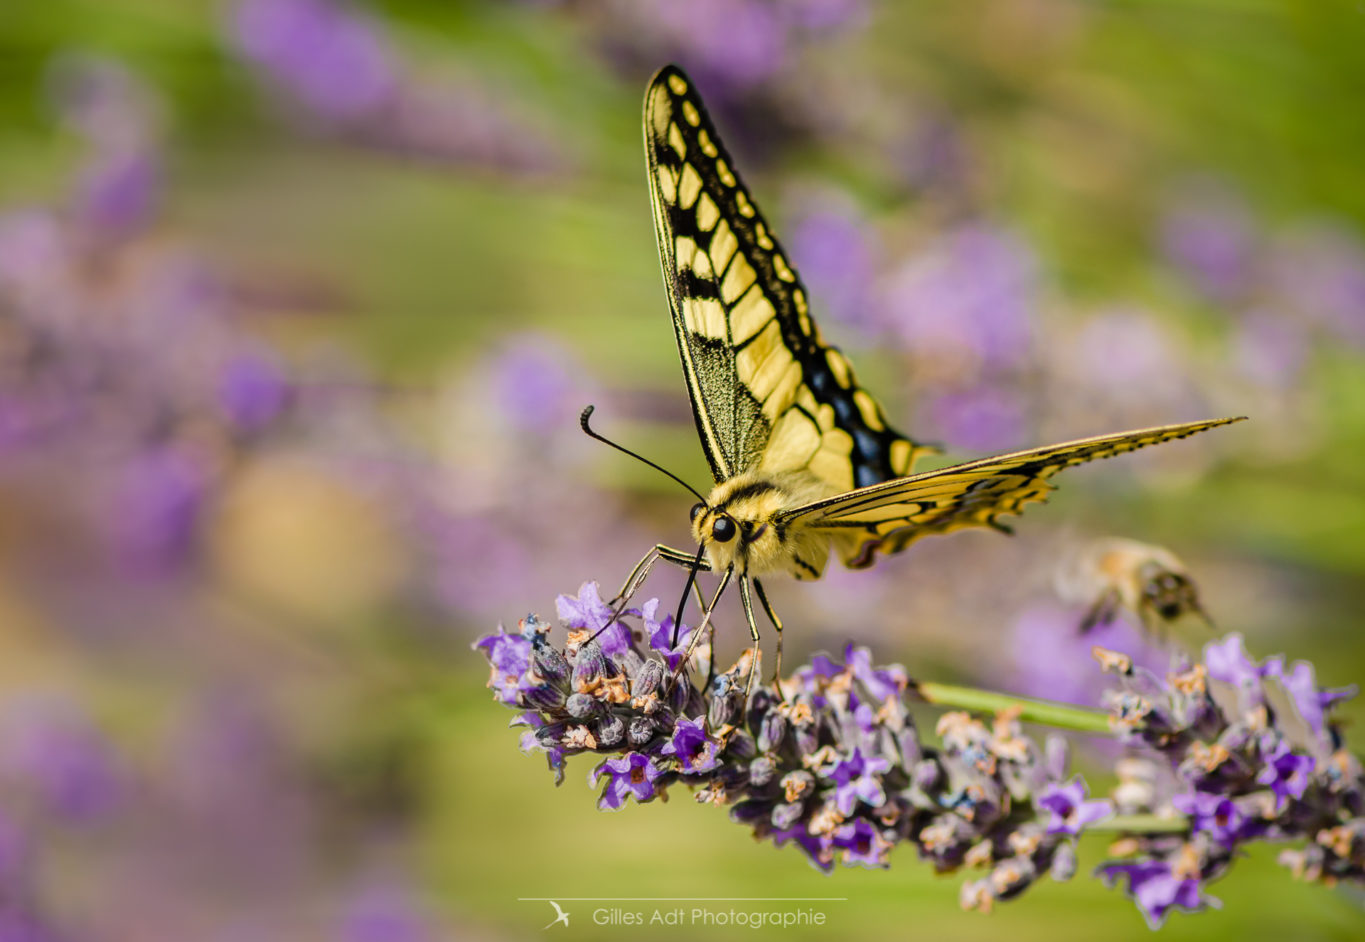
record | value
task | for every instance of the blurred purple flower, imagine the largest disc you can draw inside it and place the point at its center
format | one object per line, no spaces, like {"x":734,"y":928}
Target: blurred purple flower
{"x":1319,"y":271}
{"x":1157,"y":889}
{"x":32,"y":245}
{"x":251,"y":390}
{"x":1269,"y":350}
{"x":156,"y":507}
{"x":118,"y":192}
{"x":471,"y":557}
{"x":983,"y":418}
{"x":534,"y":384}
{"x":333,"y":60}
{"x":836,"y":250}
{"x":969,"y":296}
{"x":338,"y":64}
{"x":1216,"y":815}
{"x":1311,"y":701}
{"x":109,"y":106}
{"x":858,"y":778}
{"x":1285,"y":772}
{"x":861,"y":844}
{"x":1227,"y":660}
{"x":1211,"y":238}
{"x":1125,"y":352}
{"x":1047,"y":656}
{"x":934,"y":154}
{"x":821,"y":16}
{"x":880,"y":682}
{"x":54,"y":750}
{"x":384,"y":913}
{"x":1069,"y":809}
{"x":728,"y":43}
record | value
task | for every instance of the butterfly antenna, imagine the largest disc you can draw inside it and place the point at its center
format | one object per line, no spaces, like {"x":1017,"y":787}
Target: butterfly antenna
{"x":583,"y":421}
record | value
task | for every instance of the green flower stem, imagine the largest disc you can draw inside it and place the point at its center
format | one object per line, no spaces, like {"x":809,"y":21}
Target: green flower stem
{"x":1061,"y":715}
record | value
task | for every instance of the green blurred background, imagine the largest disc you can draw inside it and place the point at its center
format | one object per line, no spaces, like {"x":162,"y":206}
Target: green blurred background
{"x":300,"y":301}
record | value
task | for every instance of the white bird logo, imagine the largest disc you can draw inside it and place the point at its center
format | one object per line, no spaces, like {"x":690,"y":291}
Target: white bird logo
{"x":561,"y":916}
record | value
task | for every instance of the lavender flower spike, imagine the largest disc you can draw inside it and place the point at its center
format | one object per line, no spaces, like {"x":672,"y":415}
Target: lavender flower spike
{"x":830,"y":761}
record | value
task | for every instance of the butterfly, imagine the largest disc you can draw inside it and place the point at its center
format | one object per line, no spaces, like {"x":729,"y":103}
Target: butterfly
{"x":804,"y":461}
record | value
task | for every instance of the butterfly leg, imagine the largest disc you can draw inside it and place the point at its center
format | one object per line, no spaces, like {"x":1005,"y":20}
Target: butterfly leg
{"x":777,"y":624}
{"x":701,"y":628}
{"x":753,"y":633}
{"x":641,"y":572}
{"x":645,"y":565}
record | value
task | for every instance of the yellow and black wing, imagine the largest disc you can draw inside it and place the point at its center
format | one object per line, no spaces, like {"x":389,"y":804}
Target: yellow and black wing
{"x":887,"y":517}
{"x":767,"y":392}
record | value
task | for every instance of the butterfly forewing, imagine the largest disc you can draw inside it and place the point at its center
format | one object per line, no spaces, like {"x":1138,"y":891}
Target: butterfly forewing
{"x":889,"y":516}
{"x":767,"y":392}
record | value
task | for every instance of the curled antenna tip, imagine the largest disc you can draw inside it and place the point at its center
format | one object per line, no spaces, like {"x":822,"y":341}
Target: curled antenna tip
{"x":583,"y":423}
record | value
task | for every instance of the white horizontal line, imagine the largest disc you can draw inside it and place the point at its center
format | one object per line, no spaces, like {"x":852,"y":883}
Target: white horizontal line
{"x":683,"y":899}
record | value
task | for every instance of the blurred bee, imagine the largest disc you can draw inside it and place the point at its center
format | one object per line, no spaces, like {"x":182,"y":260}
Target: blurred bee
{"x":1115,"y":575}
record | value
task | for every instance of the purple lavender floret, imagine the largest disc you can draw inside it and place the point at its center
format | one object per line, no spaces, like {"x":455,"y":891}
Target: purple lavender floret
{"x":1284,"y":771}
{"x":632,"y":775}
{"x":510,"y":658}
{"x":1070,"y":809}
{"x":1157,"y":886}
{"x":859,"y":778}
{"x":1227,"y":661}
{"x":1218,"y":816}
{"x":661,"y":635}
{"x":692,"y":747}
{"x":589,"y":612}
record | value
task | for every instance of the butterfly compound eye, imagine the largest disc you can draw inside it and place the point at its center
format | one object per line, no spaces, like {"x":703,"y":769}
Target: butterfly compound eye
{"x":697,"y":510}
{"x":723,"y":530}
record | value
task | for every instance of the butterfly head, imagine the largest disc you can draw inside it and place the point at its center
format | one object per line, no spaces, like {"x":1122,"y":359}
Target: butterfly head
{"x":738,"y":525}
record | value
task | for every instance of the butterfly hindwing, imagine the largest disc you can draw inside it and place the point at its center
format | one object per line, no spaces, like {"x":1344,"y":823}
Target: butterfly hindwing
{"x":767,"y":393}
{"x":888,"y":517}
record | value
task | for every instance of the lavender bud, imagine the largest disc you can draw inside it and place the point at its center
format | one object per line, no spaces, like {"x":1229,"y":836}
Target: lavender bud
{"x":741,"y":746}
{"x":927,"y":774}
{"x":724,"y":704}
{"x":772,"y":730}
{"x":762,"y":770}
{"x":807,"y":738}
{"x":798,"y":785}
{"x":785,"y":815}
{"x":641,"y":730}
{"x":761,"y":705}
{"x":648,"y":678}
{"x":1011,"y":877}
{"x":907,"y":743}
{"x":580,"y":706}
{"x":611,"y":730}
{"x":547,"y":663}
{"x":590,"y":668}
{"x":548,"y":698}
{"x":1063,"y":862}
